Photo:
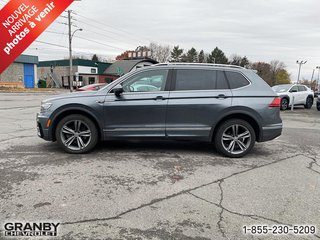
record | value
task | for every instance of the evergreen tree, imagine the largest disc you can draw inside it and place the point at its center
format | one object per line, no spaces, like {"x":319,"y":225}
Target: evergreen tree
{"x":192,"y":56}
{"x":95,"y":58}
{"x":244,"y":62}
{"x":176,"y":54}
{"x":217,"y":56}
{"x":201,"y":57}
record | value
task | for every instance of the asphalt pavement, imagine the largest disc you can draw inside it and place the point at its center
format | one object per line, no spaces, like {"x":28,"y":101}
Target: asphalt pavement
{"x":158,"y":189}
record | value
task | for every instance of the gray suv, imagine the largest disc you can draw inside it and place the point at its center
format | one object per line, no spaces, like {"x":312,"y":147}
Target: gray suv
{"x":230,"y":106}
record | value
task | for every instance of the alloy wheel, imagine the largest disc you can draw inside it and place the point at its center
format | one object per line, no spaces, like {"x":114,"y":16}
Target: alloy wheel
{"x":75,"y":135}
{"x":284,"y":104}
{"x":236,"y":139}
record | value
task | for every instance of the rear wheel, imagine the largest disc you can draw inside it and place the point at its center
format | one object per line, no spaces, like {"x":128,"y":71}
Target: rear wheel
{"x":284,"y":104}
{"x":76,"y":134}
{"x":309,"y":103}
{"x":235,"y":138}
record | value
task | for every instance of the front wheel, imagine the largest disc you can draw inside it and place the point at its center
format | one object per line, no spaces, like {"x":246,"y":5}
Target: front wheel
{"x":234,"y":138}
{"x":76,"y":134}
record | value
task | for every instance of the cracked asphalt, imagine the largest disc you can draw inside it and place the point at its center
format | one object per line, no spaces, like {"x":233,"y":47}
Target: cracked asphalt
{"x":158,"y":190}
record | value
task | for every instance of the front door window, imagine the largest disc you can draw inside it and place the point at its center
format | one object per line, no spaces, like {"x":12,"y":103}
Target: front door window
{"x":150,"y":81}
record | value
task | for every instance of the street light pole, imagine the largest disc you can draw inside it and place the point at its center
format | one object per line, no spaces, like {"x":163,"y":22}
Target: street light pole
{"x":70,"y":52}
{"x":300,"y":64}
{"x":318,"y":67}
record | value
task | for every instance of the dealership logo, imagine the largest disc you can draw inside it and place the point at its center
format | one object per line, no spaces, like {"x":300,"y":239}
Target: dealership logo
{"x":41,"y":229}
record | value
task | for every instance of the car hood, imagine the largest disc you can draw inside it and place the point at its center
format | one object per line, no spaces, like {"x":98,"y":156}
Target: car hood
{"x":71,"y":95}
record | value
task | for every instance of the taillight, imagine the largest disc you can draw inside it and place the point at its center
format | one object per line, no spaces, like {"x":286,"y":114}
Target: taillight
{"x":276,"y":102}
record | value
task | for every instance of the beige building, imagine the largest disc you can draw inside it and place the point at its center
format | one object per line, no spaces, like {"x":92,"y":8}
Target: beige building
{"x":56,"y":72}
{"x":21,"y":73}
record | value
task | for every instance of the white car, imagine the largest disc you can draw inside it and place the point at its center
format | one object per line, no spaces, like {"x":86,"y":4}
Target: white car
{"x":295,"y":94}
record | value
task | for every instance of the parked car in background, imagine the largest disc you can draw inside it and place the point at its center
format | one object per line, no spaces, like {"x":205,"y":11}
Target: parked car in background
{"x":230,"y":106}
{"x":295,"y":94}
{"x":92,"y":87}
{"x":318,"y":103}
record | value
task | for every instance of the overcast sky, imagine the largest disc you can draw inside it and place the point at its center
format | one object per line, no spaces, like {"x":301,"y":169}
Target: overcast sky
{"x":262,"y":30}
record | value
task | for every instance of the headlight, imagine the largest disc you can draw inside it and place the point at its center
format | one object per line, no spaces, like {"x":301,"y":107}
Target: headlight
{"x":45,"y":106}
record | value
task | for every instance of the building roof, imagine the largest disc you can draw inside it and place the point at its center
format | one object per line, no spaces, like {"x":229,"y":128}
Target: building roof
{"x":102,"y":66}
{"x":27,"y":59}
{"x":125,"y":66}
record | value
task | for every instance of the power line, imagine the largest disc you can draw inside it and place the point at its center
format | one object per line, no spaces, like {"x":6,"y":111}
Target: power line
{"x":86,"y":30}
{"x":48,"y":31}
{"x":52,"y":44}
{"x":107,"y":45}
{"x":103,"y":24}
{"x":126,"y":35}
{"x":104,"y":30}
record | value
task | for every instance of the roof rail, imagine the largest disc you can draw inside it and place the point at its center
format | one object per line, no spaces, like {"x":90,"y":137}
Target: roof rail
{"x":199,"y":64}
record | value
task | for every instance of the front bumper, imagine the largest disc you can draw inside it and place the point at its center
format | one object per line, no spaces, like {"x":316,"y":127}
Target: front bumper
{"x":271,"y":132}
{"x":42,"y":130}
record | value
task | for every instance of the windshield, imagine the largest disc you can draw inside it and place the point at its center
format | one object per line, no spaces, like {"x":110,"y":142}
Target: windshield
{"x":281,"y":88}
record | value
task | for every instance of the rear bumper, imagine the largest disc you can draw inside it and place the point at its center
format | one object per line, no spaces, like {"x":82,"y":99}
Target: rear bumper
{"x":271,"y":132}
{"x":42,"y":130}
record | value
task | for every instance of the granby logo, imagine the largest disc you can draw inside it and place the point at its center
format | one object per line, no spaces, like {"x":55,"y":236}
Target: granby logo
{"x":21,"y":22}
{"x":41,"y":229}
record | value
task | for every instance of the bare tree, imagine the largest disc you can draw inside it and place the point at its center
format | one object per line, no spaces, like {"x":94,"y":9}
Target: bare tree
{"x":160,"y":53}
{"x":275,"y":67}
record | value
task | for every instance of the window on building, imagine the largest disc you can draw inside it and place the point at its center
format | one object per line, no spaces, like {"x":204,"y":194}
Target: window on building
{"x":92,"y":80}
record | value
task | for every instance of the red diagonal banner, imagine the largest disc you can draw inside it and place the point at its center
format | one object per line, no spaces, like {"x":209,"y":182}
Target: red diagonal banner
{"x":21,"y":22}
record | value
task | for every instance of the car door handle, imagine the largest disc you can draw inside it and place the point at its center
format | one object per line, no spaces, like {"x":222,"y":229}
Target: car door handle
{"x":222,"y":96}
{"x":100,"y":102}
{"x":159,"y":98}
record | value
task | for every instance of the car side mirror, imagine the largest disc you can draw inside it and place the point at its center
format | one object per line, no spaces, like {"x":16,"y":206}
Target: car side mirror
{"x":118,"y":90}
{"x":293,"y":90}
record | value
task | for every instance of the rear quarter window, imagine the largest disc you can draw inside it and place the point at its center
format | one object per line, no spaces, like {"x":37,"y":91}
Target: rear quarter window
{"x":236,"y":80}
{"x":302,"y":88}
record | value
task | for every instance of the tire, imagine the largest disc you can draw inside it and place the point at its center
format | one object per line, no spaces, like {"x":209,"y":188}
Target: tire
{"x":227,"y":139}
{"x":309,"y":103}
{"x":76,"y":134}
{"x":284,"y":104}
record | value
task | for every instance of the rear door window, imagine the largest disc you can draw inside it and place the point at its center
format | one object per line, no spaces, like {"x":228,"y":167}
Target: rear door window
{"x":198,"y":79}
{"x":236,"y":80}
{"x":294,"y":89}
{"x":302,"y":88}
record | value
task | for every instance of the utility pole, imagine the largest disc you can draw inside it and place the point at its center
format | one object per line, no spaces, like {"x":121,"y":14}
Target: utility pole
{"x":300,"y":64}
{"x":70,"y":53}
